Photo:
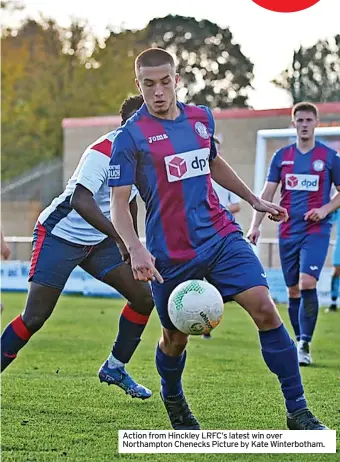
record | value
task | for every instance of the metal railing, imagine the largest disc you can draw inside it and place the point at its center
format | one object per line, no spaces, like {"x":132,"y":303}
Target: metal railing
{"x":270,"y":242}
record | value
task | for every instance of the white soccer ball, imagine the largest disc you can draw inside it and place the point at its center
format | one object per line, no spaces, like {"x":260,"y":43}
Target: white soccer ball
{"x":195,"y":307}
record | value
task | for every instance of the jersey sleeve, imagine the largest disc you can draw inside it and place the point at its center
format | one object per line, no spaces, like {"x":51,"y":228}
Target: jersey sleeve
{"x":123,"y":162}
{"x":93,"y":171}
{"x":336,"y":170}
{"x":274,"y":171}
{"x":211,"y":131}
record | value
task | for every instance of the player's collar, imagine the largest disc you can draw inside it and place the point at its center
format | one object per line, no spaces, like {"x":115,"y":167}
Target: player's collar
{"x":144,"y":110}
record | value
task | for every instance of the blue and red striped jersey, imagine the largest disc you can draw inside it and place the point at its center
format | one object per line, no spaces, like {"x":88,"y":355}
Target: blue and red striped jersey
{"x":306,"y":181}
{"x":169,"y":162}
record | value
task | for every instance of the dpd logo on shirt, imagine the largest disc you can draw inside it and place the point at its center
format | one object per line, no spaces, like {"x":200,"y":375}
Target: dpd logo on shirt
{"x":187,"y":164}
{"x":298,"y":182}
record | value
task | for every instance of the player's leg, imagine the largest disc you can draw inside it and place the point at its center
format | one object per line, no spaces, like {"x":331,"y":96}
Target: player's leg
{"x":40,"y":303}
{"x":312,"y":258}
{"x":290,"y":257}
{"x":51,"y":264}
{"x":171,"y":350}
{"x":105,"y":263}
{"x":239,"y":275}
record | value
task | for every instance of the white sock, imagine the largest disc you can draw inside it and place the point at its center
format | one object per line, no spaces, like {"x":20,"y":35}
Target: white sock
{"x":114,"y":362}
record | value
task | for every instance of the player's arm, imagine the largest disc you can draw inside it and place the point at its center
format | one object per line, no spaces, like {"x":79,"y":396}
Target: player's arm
{"x":318,"y":214}
{"x":83,"y":202}
{"x":91,"y":177}
{"x":134,"y":213}
{"x":121,"y":216}
{"x":267,"y":194}
{"x":225,"y":176}
{"x":122,"y":173}
{"x":142,"y":262}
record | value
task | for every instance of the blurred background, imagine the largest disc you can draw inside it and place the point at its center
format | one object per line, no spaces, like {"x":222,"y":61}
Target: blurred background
{"x":66,"y":68}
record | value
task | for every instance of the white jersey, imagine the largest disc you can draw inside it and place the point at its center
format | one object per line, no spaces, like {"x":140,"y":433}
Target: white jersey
{"x":61,"y":219}
{"x":225,"y":196}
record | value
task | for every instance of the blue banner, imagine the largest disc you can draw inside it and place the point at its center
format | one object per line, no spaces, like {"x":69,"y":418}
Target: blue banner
{"x":14,"y":276}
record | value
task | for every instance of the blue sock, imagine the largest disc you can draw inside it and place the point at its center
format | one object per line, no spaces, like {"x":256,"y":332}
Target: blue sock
{"x":308,"y":313}
{"x":280,"y":354}
{"x":293,"y":311}
{"x":131,"y":327}
{"x":13,"y":338}
{"x":335,"y":285}
{"x":170,"y":368}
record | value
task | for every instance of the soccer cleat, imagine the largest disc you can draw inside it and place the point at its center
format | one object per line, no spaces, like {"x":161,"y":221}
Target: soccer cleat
{"x":118,"y":376}
{"x":304,"y":355}
{"x":332,"y":308}
{"x":179,"y":413}
{"x":303,"y":419}
{"x":207,"y":336}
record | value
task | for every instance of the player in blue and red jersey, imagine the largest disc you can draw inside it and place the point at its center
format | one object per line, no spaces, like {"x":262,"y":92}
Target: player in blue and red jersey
{"x":76,"y":230}
{"x":306,"y":170}
{"x":167,"y":150}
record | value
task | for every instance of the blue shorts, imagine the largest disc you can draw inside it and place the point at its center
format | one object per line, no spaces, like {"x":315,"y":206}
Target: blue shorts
{"x":336,"y":253}
{"x":305,"y":255}
{"x":230,"y":265}
{"x":53,"y":259}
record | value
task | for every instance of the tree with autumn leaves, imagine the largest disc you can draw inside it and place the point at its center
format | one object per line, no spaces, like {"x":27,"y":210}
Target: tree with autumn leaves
{"x":49,"y":73}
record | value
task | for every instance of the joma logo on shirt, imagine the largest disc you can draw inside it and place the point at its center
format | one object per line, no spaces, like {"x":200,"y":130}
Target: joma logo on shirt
{"x":298,"y":182}
{"x":187,"y":164}
{"x":154,"y":138}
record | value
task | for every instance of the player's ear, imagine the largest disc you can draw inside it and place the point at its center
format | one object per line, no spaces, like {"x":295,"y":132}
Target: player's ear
{"x":138,"y":85}
{"x":294,"y":123}
{"x":176,"y":79}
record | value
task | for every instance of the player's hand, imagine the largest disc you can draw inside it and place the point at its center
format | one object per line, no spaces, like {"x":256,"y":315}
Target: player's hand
{"x":5,"y":252}
{"x":316,"y":214}
{"x":276,"y":212}
{"x":253,"y":235}
{"x":143,"y":265}
{"x":123,"y":251}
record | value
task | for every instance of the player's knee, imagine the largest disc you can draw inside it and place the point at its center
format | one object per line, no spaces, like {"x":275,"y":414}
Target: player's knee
{"x":266,"y":315}
{"x":143,"y":304}
{"x":307,"y":282}
{"x":34,"y":322}
{"x":173,"y":342}
{"x":294,"y":292}
{"x":337,"y":271}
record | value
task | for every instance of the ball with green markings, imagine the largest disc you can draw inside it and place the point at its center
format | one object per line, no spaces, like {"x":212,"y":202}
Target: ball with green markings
{"x":195,"y":307}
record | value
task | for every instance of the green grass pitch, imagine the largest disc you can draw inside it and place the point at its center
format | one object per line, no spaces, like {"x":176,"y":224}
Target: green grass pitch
{"x":54,"y":408}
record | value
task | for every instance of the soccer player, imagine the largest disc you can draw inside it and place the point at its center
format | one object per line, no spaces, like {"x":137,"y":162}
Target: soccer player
{"x":76,"y":230}
{"x":306,"y":170}
{"x":167,"y":150}
{"x":230,"y":201}
{"x":335,"y":283}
